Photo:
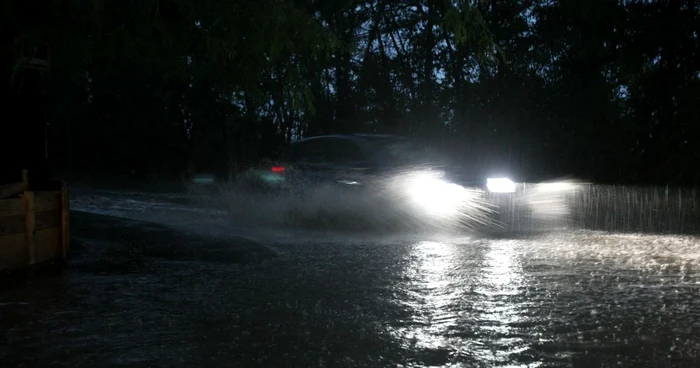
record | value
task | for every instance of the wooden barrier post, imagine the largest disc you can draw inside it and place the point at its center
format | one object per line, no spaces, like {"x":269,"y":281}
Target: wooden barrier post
{"x":65,"y":222}
{"x":34,"y":226}
{"x":30,"y":226}
{"x":11,"y":190}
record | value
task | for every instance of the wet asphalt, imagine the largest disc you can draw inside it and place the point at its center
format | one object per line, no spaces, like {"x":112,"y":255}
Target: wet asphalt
{"x":155,"y":282}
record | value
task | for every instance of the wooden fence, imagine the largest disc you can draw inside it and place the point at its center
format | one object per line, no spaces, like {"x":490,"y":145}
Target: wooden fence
{"x":34,"y":225}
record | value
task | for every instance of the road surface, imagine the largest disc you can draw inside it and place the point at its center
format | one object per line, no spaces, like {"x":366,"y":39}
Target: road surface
{"x":156,"y":280}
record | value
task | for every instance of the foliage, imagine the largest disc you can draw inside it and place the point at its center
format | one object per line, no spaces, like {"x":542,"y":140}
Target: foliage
{"x":600,"y":89}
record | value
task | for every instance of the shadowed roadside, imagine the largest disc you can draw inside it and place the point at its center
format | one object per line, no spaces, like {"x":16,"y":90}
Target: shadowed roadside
{"x":110,"y":243}
{"x":133,"y":292}
{"x":141,"y":294}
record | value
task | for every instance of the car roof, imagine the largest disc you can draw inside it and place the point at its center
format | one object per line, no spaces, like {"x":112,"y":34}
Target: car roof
{"x":349,"y":137}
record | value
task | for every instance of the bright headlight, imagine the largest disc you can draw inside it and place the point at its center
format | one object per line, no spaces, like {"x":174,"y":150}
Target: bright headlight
{"x":500,"y":185}
{"x":433,"y":194}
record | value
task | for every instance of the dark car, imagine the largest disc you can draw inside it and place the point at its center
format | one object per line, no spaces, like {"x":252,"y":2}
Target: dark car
{"x":403,"y":175}
{"x":386,"y":170}
{"x":362,"y":159}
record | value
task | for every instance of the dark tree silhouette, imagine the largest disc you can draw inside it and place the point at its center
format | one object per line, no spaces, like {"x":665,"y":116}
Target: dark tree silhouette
{"x":603,"y":90}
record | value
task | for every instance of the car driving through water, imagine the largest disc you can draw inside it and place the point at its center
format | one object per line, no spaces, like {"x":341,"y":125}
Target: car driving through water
{"x":391,"y":172}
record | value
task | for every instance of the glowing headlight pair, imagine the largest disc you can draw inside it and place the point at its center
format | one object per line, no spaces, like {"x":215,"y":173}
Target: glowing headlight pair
{"x":500,"y":185}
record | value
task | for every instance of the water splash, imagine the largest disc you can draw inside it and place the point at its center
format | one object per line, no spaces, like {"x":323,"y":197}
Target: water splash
{"x":552,"y":298}
{"x":554,"y":206}
{"x":408,"y":200}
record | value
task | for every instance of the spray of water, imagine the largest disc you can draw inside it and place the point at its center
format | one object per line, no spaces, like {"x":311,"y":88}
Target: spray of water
{"x":408,"y":200}
{"x":570,"y":205}
{"x":394,"y":205}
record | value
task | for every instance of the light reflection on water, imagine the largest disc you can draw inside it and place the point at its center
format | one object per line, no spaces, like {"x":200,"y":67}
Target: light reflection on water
{"x":574,"y":298}
{"x":433,"y":293}
{"x":557,"y":298}
{"x":499,"y":305}
{"x":463,"y":298}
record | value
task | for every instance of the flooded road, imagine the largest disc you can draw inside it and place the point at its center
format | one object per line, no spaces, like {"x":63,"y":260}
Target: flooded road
{"x":158,"y":281}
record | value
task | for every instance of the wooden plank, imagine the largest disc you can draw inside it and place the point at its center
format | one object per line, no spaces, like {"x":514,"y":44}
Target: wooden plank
{"x":11,"y":207}
{"x":47,"y":201}
{"x":65,"y":222}
{"x":30,"y":227}
{"x":12,"y":225}
{"x":48,"y":220}
{"x":44,"y":201}
{"x":44,"y":220}
{"x":48,"y":245}
{"x":12,"y":252}
{"x":11,"y":190}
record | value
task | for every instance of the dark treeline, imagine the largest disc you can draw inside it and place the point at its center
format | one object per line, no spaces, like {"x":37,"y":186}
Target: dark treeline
{"x":602,"y":90}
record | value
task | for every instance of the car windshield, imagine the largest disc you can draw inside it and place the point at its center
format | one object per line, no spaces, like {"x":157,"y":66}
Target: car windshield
{"x":403,"y":150}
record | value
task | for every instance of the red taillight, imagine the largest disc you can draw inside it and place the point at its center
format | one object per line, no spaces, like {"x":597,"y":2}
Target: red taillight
{"x":277,"y":169}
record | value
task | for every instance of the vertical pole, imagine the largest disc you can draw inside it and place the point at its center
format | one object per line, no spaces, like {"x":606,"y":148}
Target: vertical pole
{"x":25,"y":179}
{"x":69,"y":139}
{"x":65,"y":222}
{"x":29,"y":226}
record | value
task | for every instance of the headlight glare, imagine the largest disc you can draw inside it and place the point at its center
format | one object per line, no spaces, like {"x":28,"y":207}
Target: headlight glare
{"x":500,"y":185}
